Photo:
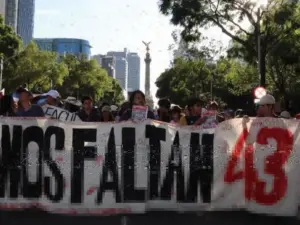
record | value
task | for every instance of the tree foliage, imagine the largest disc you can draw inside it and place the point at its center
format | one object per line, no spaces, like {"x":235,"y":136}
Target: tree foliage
{"x":86,"y":77}
{"x":10,"y":43}
{"x":184,"y":79}
{"x":34,"y":68}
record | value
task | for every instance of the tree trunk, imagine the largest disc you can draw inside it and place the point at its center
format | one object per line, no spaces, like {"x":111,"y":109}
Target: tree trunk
{"x":262,"y":68}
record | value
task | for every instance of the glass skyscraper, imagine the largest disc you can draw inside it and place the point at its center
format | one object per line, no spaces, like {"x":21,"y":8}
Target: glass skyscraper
{"x":25,"y":20}
{"x":65,"y":46}
{"x":11,"y":13}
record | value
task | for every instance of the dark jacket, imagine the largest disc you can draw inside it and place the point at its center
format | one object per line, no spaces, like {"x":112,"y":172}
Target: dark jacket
{"x":94,"y":116}
{"x":127,"y":115}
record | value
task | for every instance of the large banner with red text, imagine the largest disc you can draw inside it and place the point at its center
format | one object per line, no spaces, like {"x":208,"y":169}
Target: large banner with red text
{"x":109,"y":168}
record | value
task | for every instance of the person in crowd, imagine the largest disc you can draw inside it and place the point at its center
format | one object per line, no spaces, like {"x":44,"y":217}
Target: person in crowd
{"x":123,"y":108}
{"x":88,"y":113}
{"x":228,"y":114}
{"x":186,"y":111}
{"x":137,"y":98}
{"x":176,"y":114}
{"x":194,"y":113}
{"x":266,"y":106}
{"x":26,"y":109}
{"x":52,"y":97}
{"x":285,"y":115}
{"x":114,"y":110}
{"x":9,"y":105}
{"x":213,"y":106}
{"x":163,"y":111}
{"x":106,"y":115}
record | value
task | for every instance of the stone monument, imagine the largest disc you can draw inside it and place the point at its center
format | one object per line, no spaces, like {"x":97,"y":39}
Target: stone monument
{"x":149,"y":100}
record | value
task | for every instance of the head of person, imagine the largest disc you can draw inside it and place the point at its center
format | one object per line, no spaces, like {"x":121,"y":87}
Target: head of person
{"x":176,"y":113}
{"x":124,"y":107}
{"x":285,"y":115}
{"x":52,"y":97}
{"x":186,"y":111}
{"x":106,"y":114}
{"x":25,"y":96}
{"x":87,"y":103}
{"x":228,"y":114}
{"x":195,"y":107}
{"x":138,"y":98}
{"x":164,"y":106}
{"x":213,"y":105}
{"x":265,"y":106}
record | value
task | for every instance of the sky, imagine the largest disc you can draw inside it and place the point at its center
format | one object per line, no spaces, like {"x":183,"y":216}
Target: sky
{"x":111,"y":26}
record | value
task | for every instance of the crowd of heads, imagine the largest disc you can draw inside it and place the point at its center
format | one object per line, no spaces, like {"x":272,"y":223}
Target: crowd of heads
{"x":26,"y":104}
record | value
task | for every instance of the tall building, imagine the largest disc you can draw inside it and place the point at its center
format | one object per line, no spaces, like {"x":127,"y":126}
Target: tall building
{"x":108,"y":63}
{"x":25,"y":20}
{"x":134,"y":65}
{"x":121,"y":67}
{"x":2,"y":9}
{"x":131,"y":72}
{"x":11,"y":13}
{"x":122,"y":71}
{"x":64,"y":46}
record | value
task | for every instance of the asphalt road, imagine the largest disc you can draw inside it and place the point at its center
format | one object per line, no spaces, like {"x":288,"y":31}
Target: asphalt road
{"x":30,"y":217}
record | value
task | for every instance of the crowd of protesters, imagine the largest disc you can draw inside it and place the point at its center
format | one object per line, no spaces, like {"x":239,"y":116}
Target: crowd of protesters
{"x":22,"y":103}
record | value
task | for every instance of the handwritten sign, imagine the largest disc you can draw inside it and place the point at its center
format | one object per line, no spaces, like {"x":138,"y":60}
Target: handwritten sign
{"x":139,"y":113}
{"x":211,"y":121}
{"x":59,"y":113}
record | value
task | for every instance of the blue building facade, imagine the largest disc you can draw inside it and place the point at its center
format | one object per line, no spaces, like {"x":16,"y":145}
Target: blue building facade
{"x":25,"y":17}
{"x":65,"y":46}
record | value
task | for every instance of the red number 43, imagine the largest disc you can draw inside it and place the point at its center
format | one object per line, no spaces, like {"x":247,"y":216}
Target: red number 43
{"x":255,"y":189}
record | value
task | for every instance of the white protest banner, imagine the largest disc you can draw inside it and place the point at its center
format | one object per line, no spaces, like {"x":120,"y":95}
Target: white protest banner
{"x":59,"y":113}
{"x":257,"y":167}
{"x":97,"y":168}
{"x":106,"y":168}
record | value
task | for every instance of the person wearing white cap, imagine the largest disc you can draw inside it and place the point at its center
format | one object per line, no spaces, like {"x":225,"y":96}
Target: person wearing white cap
{"x":52,"y":97}
{"x":285,"y":115}
{"x":266,"y":106}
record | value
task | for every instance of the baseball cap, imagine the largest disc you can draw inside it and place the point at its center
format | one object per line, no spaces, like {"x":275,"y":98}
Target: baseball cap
{"x":53,"y":93}
{"x":285,"y":115}
{"x":114,"y":108}
{"x":267,"y":100}
{"x":106,"y":108}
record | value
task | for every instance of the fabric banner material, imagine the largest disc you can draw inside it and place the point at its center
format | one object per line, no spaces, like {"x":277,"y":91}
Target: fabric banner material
{"x":106,"y":168}
{"x":59,"y":113}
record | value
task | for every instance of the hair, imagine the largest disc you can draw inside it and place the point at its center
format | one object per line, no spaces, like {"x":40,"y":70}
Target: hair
{"x":131,"y":99}
{"x":5,"y":104}
{"x":194,"y":101}
{"x":84,"y":98}
{"x":164,"y":103}
{"x":111,"y":118}
{"x":176,"y":109}
{"x":125,"y":106}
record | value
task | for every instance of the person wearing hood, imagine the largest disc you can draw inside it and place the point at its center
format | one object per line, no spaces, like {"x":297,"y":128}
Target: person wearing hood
{"x":88,"y":113}
{"x":137,"y":98}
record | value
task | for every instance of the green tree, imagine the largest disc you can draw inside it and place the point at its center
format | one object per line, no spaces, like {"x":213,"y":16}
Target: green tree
{"x":10,"y":43}
{"x":85,"y":77}
{"x":186,"y":78}
{"x":115,"y":95}
{"x":228,"y":15}
{"x":35,"y":68}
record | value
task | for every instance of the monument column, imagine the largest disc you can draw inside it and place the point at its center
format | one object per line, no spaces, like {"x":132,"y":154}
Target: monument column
{"x":149,"y":99}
